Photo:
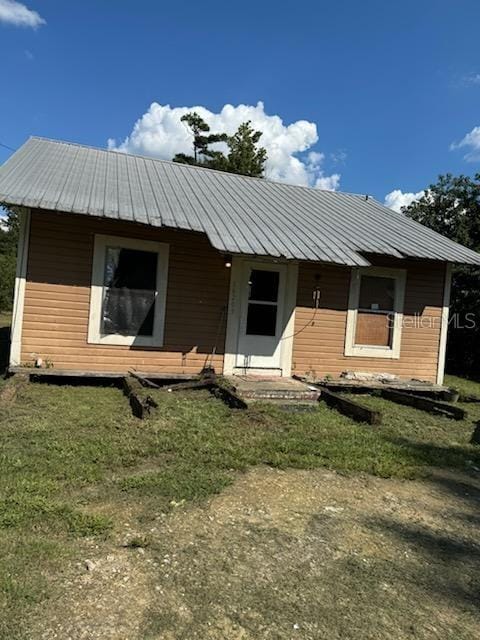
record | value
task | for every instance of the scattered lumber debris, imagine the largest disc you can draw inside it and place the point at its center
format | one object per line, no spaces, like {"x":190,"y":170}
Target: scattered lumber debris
{"x":468,"y":398}
{"x":350,"y":408}
{"x":228,"y":396}
{"x":140,"y":402}
{"x":144,"y":380}
{"x":475,"y":439}
{"x":424,"y":404}
{"x":370,"y":384}
{"x":201,"y":383}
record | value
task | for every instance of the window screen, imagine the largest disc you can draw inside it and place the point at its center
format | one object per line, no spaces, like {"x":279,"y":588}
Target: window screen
{"x":130,"y":287}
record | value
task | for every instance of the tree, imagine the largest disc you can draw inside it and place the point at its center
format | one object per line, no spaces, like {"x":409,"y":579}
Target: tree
{"x":244,"y":157}
{"x":202,"y":155}
{"x":452,"y":207}
{"x":8,"y":249}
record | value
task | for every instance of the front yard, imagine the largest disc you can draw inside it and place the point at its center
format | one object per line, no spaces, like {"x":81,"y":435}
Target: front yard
{"x":202,"y":522}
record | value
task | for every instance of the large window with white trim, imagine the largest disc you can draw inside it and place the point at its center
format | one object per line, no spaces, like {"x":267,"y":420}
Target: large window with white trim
{"x":129,"y":281}
{"x":375,"y":312}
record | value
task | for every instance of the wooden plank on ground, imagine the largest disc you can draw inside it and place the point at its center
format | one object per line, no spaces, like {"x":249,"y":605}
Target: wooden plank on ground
{"x":475,"y":439}
{"x":144,"y":381}
{"x":424,"y":404}
{"x":228,"y":396}
{"x":140,"y":403}
{"x":192,"y":385}
{"x":350,"y":408}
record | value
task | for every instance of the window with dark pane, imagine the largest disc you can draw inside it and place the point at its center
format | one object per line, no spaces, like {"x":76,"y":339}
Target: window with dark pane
{"x":377,"y":293}
{"x":264,"y":285}
{"x":261,"y":319}
{"x":130,"y":282}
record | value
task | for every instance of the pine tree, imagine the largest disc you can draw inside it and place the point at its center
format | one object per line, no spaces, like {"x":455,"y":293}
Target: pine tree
{"x":202,"y":155}
{"x":244,"y":157}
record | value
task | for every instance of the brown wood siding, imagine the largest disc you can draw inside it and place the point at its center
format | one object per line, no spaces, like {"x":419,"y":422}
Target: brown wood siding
{"x":320,"y":335}
{"x":57,"y":298}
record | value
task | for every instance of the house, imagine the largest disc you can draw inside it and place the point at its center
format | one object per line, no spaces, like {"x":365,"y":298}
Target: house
{"x":128,"y":262}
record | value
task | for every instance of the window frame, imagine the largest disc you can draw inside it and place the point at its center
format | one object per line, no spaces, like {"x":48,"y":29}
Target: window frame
{"x":101,"y":242}
{"x":372,"y":351}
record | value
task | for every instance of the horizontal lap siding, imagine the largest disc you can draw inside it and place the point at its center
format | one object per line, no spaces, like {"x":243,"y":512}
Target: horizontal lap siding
{"x":57,"y":298}
{"x":320,"y":335}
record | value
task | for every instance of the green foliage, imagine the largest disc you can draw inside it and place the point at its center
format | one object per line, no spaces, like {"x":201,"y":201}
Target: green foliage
{"x":244,"y":157}
{"x":452,"y":207}
{"x":8,"y":249}
{"x":202,"y":154}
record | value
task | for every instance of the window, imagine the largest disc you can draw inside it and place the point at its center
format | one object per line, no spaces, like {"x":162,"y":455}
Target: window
{"x":375,"y":313}
{"x":127,"y":302}
{"x":262,"y":303}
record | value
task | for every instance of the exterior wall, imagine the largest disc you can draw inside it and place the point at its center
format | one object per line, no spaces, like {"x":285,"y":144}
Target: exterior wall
{"x":319,"y":341}
{"x":57,"y":298}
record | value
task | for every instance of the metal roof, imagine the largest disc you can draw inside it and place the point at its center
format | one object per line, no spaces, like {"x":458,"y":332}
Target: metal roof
{"x":238,"y":214}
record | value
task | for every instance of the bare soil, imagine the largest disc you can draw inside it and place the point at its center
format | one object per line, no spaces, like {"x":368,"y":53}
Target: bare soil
{"x":279,"y":555}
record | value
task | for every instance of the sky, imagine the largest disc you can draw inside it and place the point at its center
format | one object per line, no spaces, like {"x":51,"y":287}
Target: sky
{"x":376,"y":97}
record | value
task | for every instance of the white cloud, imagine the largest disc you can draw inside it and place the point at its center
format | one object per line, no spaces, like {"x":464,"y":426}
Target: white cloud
{"x":160,"y":133}
{"x":470,"y":141}
{"x":397,"y":199}
{"x":471,"y":78}
{"x":16,"y":13}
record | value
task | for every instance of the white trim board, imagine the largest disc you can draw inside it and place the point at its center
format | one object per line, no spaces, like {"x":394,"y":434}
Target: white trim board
{"x":20,"y":282}
{"x":370,"y":351}
{"x":97,"y":287}
{"x":442,"y":347}
{"x":235,"y":311}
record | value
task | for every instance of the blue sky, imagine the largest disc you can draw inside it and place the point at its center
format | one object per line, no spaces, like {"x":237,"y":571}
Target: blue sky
{"x":386,"y":87}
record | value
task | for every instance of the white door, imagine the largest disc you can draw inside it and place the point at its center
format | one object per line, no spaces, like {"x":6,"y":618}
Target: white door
{"x":261,"y":316}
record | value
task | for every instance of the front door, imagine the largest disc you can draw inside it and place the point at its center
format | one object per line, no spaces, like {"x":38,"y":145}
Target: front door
{"x":261,"y":316}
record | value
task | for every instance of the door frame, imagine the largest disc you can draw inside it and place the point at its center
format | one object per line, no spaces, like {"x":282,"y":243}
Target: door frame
{"x":234,"y":316}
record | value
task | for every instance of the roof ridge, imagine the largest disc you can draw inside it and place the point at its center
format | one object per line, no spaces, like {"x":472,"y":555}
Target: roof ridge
{"x":195,"y":167}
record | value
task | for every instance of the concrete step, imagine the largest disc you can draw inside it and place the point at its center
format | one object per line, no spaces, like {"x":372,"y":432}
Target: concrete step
{"x":279,"y":394}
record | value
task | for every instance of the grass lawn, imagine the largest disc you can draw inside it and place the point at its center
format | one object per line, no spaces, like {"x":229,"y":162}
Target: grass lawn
{"x":75,"y":466}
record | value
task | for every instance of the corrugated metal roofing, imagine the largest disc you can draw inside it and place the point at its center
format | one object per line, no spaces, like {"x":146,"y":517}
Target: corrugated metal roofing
{"x":237,"y":213}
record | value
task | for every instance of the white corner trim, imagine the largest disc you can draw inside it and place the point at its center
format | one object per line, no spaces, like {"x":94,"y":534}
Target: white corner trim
{"x":289,"y":320}
{"x":235,"y":312}
{"x":96,"y":293}
{"x":233,"y":316}
{"x":369,"y":351}
{"x":442,"y":349}
{"x":20,"y":281}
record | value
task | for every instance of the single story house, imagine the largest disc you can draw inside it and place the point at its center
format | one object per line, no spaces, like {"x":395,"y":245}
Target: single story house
{"x":127,"y":262}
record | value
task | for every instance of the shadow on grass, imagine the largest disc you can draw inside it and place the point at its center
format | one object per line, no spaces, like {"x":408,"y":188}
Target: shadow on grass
{"x":446,"y":563}
{"x":432,"y":455}
{"x":4,"y":348}
{"x":444,"y":560}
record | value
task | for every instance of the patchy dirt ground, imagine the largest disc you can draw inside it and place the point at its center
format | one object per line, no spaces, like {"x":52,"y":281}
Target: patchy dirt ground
{"x":286,"y":554}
